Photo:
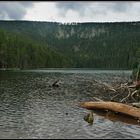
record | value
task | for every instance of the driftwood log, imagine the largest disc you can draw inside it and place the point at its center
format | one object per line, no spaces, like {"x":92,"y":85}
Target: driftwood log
{"x":113,"y":106}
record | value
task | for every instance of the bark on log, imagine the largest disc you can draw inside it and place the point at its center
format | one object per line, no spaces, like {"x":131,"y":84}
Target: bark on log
{"x":113,"y":106}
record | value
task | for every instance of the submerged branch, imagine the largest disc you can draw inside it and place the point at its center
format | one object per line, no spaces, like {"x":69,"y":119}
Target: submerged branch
{"x":126,"y":91}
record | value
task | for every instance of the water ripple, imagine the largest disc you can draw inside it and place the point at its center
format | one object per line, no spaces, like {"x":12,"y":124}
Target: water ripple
{"x":31,"y":108}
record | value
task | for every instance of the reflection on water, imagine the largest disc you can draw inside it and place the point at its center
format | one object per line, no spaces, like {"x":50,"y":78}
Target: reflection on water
{"x":31,"y":108}
{"x":113,"y":116}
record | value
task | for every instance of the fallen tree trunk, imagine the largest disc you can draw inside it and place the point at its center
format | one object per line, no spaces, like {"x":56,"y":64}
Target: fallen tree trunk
{"x":113,"y":106}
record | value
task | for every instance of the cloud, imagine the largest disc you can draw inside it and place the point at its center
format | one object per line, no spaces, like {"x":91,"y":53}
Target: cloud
{"x":83,"y":11}
{"x":92,"y":8}
{"x":64,"y":7}
{"x":14,"y":10}
{"x":118,"y":6}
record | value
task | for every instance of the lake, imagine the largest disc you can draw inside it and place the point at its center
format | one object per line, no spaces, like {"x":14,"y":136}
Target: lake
{"x":31,"y":108}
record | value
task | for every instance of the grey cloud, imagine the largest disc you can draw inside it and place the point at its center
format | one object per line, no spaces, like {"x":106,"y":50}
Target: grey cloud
{"x":64,"y":7}
{"x":92,"y":7}
{"x":69,"y":5}
{"x":118,"y":6}
{"x":14,"y":10}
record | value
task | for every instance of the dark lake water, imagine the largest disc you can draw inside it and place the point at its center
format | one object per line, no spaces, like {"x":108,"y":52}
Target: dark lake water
{"x":31,"y":108}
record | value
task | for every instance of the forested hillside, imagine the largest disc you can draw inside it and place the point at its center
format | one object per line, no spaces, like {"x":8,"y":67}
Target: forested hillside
{"x":18,"y":51}
{"x":29,"y":44}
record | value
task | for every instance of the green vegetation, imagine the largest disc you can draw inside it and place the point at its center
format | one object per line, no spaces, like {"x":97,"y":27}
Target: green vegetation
{"x":28,"y":44}
{"x":17,"y":51}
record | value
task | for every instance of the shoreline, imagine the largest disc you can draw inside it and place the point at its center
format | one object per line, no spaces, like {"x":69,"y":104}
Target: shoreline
{"x":3,"y":69}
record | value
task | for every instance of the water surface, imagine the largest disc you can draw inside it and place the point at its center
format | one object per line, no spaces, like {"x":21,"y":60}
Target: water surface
{"x":31,"y":108}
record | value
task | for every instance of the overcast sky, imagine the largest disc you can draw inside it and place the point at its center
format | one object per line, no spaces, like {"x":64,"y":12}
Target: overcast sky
{"x":68,"y":11}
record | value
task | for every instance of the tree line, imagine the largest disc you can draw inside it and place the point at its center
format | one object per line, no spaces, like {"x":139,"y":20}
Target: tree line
{"x":25,"y":44}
